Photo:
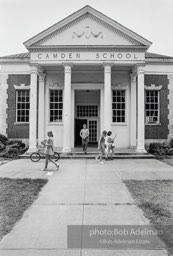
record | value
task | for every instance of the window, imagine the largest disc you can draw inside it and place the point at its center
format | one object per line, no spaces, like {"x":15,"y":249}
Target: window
{"x":56,"y":105}
{"x":87,"y":110}
{"x":118,"y":106}
{"x":22,"y":106}
{"x":152,"y":106}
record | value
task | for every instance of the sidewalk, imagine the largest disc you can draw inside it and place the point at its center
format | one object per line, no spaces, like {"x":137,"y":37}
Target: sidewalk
{"x":83,"y":192}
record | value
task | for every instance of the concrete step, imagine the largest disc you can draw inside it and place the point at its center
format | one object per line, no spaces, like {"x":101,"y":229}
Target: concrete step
{"x":93,"y":155}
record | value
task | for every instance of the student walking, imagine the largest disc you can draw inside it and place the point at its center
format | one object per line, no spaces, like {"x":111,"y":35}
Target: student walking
{"x":109,"y":145}
{"x":84,"y":133}
{"x":101,"y":146}
{"x":49,"y":151}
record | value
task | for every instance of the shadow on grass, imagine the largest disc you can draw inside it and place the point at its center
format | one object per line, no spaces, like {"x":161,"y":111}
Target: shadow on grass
{"x":16,"y":195}
{"x":155,"y":198}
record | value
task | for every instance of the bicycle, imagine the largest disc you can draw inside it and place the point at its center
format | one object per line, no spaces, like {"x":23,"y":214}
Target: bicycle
{"x":36,"y":156}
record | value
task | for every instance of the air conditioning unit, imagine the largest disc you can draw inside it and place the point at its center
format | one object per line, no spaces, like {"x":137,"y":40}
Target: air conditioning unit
{"x":151,"y":119}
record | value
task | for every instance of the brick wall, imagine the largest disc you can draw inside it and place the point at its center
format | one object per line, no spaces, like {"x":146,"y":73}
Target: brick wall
{"x":15,"y":130}
{"x":159,"y":131}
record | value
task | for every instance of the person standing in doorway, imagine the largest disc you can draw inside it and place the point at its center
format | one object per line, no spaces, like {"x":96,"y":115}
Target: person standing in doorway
{"x":49,"y":151}
{"x":84,"y":133}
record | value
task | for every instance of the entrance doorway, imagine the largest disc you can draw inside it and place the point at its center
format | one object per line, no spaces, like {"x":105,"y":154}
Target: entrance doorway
{"x":78,"y":126}
{"x":87,"y":111}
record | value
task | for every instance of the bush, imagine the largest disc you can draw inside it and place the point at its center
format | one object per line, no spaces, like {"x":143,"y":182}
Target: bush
{"x":11,"y":148}
{"x":160,"y":149}
{"x":171,"y":143}
{"x":3,"y":139}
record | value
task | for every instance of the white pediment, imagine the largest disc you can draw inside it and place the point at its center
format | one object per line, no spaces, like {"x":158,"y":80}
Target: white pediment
{"x":88,"y":32}
{"x":87,"y":27}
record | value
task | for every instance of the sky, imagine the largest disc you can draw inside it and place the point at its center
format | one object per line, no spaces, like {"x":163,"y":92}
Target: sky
{"x":22,"y":19}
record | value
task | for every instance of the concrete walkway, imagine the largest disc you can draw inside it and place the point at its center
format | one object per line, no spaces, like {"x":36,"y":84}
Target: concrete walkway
{"x":83,"y":192}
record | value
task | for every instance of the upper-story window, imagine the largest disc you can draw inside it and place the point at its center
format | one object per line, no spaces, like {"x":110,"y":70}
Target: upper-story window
{"x":22,"y":106}
{"x":152,"y":106}
{"x":56,"y":105}
{"x":118,"y":106}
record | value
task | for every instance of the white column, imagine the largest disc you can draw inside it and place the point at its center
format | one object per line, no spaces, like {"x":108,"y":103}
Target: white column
{"x":133,"y":111}
{"x":67,"y":109}
{"x":140,"y":122}
{"x":101,"y":111}
{"x":107,"y":97}
{"x":33,"y":111}
{"x":41,"y":108}
{"x":3,"y":103}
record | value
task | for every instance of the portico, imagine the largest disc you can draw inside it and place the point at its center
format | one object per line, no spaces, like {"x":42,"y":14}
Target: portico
{"x":74,"y":77}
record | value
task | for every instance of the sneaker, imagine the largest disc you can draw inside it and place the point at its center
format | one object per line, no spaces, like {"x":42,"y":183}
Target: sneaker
{"x":101,"y":162}
{"x":57,"y":167}
{"x":96,"y":158}
{"x":44,"y":169}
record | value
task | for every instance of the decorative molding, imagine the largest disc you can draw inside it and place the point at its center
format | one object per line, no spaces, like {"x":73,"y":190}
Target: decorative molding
{"x":119,"y":86}
{"x":153,"y":87}
{"x":21,"y":87}
{"x":87,"y":33}
{"x":133,"y":78}
{"x":41,"y":77}
{"x":74,"y":48}
{"x":75,"y":21}
{"x":56,"y":86}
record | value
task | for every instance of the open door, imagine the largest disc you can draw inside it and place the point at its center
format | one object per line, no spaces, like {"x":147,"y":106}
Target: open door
{"x":78,"y":127}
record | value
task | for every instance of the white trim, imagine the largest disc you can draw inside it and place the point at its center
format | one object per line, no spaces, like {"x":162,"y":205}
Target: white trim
{"x":22,"y":87}
{"x":3,"y":103}
{"x":152,"y":87}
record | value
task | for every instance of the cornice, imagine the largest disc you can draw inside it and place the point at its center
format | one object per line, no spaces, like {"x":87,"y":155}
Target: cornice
{"x":88,"y":48}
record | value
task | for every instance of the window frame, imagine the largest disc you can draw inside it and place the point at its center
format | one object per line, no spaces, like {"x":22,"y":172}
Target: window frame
{"x":126,"y":103}
{"x":16,"y":92}
{"x":59,"y":121}
{"x":158,"y":121}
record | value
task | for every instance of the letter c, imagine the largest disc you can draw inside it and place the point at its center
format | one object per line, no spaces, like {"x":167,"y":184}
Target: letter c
{"x":40,"y":56}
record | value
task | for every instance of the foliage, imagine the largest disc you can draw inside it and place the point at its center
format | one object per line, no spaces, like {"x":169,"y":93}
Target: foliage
{"x":160,"y":149}
{"x":3,"y":139}
{"x":11,"y":148}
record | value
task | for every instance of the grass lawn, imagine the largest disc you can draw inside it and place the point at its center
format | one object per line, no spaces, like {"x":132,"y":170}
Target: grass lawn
{"x":16,"y":195}
{"x":155,"y":198}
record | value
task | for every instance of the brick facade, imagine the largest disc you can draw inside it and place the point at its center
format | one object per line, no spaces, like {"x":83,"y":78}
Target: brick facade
{"x":15,"y":130}
{"x":161,"y":130}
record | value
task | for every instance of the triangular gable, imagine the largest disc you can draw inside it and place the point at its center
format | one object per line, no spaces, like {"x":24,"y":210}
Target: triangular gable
{"x":87,"y":27}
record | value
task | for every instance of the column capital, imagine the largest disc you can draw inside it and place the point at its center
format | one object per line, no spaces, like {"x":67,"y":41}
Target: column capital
{"x":41,"y":77}
{"x":140,"y":69}
{"x":34,"y":69}
{"x":107,"y":66}
{"x":133,"y":78}
{"x":67,"y":66}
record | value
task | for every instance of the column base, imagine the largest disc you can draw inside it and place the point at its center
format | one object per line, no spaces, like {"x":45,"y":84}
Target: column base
{"x":141,"y":150}
{"x":66,"y":150}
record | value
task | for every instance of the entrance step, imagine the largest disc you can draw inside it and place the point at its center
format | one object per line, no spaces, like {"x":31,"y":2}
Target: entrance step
{"x":92,"y":155}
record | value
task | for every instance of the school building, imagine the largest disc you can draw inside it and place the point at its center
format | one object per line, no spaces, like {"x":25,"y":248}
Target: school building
{"x":90,"y":69}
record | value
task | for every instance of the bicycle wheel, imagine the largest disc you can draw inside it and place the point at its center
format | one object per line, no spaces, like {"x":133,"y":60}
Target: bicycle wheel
{"x":56,"y":156}
{"x":35,"y":157}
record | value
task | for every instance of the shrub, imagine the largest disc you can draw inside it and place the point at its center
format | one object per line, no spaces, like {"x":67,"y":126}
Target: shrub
{"x":160,"y":149}
{"x":3,"y":139}
{"x":171,"y":143}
